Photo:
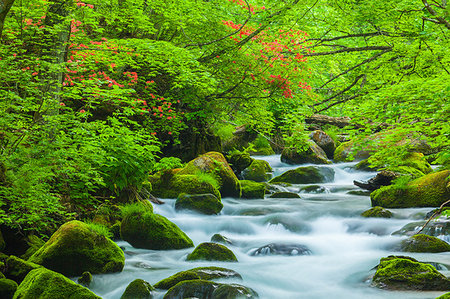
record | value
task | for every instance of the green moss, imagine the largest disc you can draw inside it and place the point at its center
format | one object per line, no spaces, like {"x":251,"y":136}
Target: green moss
{"x":17,"y":269}
{"x":413,"y":163}
{"x":377,"y":212}
{"x":218,"y":238}
{"x":365,"y":165}
{"x":251,"y":189}
{"x":152,"y":231}
{"x":428,"y":191}
{"x":305,"y":153}
{"x":215,"y":164}
{"x":209,"y":273}
{"x":232,"y":291}
{"x":212,"y":252}
{"x":45,"y":284}
{"x":257,"y":171}
{"x":2,"y":242}
{"x":85,"y":279}
{"x":7,"y":288}
{"x":445,"y":296}
{"x":399,"y":273}
{"x":138,"y":289}
{"x":74,"y":248}
{"x":240,"y":161}
{"x":344,"y":150}
{"x":197,"y":288}
{"x":424,"y":243}
{"x":204,"y":203}
{"x":171,"y":281}
{"x":305,"y":175}
{"x":284,"y":195}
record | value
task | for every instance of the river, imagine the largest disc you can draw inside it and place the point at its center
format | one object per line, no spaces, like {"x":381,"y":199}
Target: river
{"x":344,"y":247}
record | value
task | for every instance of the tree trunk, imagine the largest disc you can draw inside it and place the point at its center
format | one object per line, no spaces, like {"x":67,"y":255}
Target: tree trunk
{"x":5,"y":6}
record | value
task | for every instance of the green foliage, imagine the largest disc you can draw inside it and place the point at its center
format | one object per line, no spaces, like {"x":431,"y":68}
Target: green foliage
{"x":208,"y":178}
{"x":99,"y":229}
{"x":167,"y":163}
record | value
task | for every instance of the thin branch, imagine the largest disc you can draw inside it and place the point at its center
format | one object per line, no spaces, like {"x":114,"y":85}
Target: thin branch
{"x":339,"y":102}
{"x":347,"y":36}
{"x":348,"y":50}
{"x":441,"y":20}
{"x":341,"y":92}
{"x":432,"y":216}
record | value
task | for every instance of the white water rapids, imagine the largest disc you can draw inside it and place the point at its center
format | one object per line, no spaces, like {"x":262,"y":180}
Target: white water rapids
{"x":344,"y":246}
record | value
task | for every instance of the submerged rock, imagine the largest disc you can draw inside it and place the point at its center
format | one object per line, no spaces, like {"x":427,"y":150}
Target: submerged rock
{"x":314,"y":189}
{"x":152,"y":231}
{"x":424,"y":243}
{"x":284,"y":195}
{"x":74,"y":248}
{"x":257,"y":171}
{"x":173,"y":280}
{"x":311,"y":154}
{"x":252,"y":190}
{"x":433,"y":228}
{"x":377,"y":212}
{"x":305,"y":175}
{"x":212,"y":252}
{"x":404,"y":273}
{"x":44,"y":283}
{"x":431,"y":190}
{"x":282,"y":249}
{"x":138,"y":289}
{"x":207,"y":204}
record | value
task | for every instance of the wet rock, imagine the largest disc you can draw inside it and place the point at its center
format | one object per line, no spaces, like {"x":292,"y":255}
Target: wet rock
{"x":85,"y":279}
{"x":44,"y":283}
{"x":312,"y":153}
{"x":212,"y":252}
{"x":424,"y":243}
{"x":284,"y":195}
{"x":428,"y":191}
{"x":218,"y":238}
{"x":207,"y":289}
{"x":7,"y":288}
{"x":282,"y":249}
{"x":400,"y":273}
{"x":313,"y":189}
{"x":138,"y":289}
{"x":173,"y":280}
{"x":257,"y":171}
{"x":207,"y":204}
{"x":433,"y":228}
{"x":377,"y":212}
{"x":252,"y":190}
{"x":240,"y":161}
{"x":305,"y":175}
{"x":152,"y":231}
{"x":232,"y":291}
{"x":74,"y":248}
{"x":383,"y":178}
{"x":323,"y":140}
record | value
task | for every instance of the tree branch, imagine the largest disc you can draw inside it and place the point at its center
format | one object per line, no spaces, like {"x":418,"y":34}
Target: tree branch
{"x":341,"y":92}
{"x":440,"y":20}
{"x":348,"y":50}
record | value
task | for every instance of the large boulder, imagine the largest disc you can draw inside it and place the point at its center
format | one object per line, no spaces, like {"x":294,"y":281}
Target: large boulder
{"x":212,"y":252}
{"x":240,"y":161}
{"x":305,"y":175}
{"x":323,"y":140}
{"x":404,"y":273}
{"x":431,"y":190}
{"x":424,"y":243}
{"x":75,"y":248}
{"x":232,"y":291}
{"x":152,"y":231}
{"x":207,"y":289}
{"x":138,"y":289}
{"x":207,"y":204}
{"x":170,"y":184}
{"x":215,"y":164}
{"x":257,"y":171}
{"x":281,"y":249}
{"x":311,"y":153}
{"x":46,"y":284}
{"x":252,"y":190}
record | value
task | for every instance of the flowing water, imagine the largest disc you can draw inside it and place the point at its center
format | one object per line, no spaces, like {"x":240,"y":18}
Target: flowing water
{"x":344,"y":247}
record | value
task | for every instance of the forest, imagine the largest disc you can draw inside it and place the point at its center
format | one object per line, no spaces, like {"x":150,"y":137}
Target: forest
{"x":131,"y":124}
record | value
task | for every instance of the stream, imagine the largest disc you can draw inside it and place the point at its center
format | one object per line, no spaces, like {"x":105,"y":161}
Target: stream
{"x":344,"y":247}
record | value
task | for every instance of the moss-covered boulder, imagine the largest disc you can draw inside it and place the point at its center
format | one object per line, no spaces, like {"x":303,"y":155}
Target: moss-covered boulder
{"x":138,"y":289}
{"x":402,"y":273}
{"x":46,"y":284}
{"x":252,"y":190}
{"x":171,"y":281}
{"x":310,"y":153}
{"x":170,"y":184}
{"x":207,"y":204}
{"x":152,"y":231}
{"x":216,"y":165}
{"x":325,"y":142}
{"x":431,"y":190}
{"x":413,"y":164}
{"x":17,"y":268}
{"x":305,"y":175}
{"x":284,"y":195}
{"x":445,"y":296}
{"x":424,"y":243}
{"x":7,"y":288}
{"x":257,"y":171}
{"x":240,"y":161}
{"x":85,"y":279}
{"x":232,"y":291}
{"x":377,"y":212}
{"x":212,"y":252}
{"x":197,"y":288}
{"x":74,"y":248}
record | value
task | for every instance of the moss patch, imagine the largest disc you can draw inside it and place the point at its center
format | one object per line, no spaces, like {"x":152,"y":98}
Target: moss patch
{"x":74,"y":249}
{"x":18,"y":268}
{"x":212,"y":252}
{"x":231,"y":291}
{"x":138,"y":289}
{"x":428,"y":191}
{"x":152,"y":231}
{"x":204,"y":203}
{"x":424,"y":243}
{"x":257,"y":171}
{"x":305,"y":175}
{"x":252,"y":190}
{"x":240,"y":161}
{"x":192,"y":289}
{"x":377,"y":212}
{"x":43,"y":283}
{"x":171,"y":281}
